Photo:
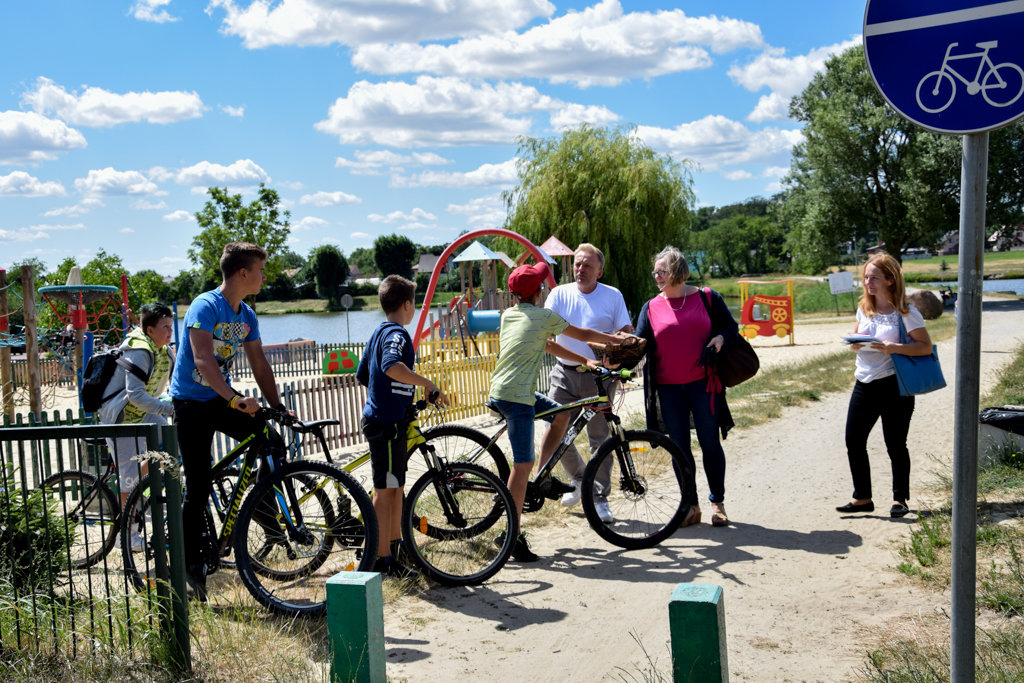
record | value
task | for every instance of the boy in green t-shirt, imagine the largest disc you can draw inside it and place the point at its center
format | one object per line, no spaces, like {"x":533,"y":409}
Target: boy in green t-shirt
{"x":526,"y":334}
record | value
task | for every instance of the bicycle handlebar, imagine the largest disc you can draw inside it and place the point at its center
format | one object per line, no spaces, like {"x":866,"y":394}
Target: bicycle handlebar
{"x":604,"y":373}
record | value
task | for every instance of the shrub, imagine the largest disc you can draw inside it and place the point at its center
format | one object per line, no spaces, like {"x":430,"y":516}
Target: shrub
{"x":34,"y":538}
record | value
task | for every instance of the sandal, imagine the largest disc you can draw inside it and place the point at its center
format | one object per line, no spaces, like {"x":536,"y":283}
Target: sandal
{"x":692,"y":517}
{"x":718,"y":515}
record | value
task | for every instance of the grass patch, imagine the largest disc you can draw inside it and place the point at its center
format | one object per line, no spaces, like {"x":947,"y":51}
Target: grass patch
{"x":917,"y":651}
{"x":1010,"y":388}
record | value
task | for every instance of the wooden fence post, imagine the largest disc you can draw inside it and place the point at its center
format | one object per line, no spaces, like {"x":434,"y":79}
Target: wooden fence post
{"x":28,"y":292}
{"x":6,"y":374}
{"x":696,"y":615}
{"x":355,"y":622}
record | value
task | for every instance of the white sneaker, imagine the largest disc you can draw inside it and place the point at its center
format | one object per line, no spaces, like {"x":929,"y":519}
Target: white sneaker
{"x":604,"y":512}
{"x":570,"y":499}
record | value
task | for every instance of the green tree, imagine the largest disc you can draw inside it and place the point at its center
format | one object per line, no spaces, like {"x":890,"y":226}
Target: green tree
{"x":603,"y":186}
{"x":186,"y":286}
{"x":364,"y":259}
{"x":393,"y":254}
{"x":330,"y":270}
{"x":864,"y":168}
{"x":225,"y":219}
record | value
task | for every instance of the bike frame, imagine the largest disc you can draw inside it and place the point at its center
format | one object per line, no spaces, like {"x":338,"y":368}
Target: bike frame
{"x":985,"y":59}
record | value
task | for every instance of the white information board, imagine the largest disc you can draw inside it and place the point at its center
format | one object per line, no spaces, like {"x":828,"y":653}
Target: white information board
{"x":841,"y":282}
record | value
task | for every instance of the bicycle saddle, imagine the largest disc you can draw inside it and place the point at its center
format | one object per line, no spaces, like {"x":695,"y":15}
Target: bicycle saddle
{"x":494,"y":409}
{"x":312,"y":425}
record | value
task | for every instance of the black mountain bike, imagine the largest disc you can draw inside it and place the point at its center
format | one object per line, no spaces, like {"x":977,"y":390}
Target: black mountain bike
{"x":294,"y":527}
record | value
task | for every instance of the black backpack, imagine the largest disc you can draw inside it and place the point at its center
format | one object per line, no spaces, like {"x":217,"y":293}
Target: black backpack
{"x":98,"y":373}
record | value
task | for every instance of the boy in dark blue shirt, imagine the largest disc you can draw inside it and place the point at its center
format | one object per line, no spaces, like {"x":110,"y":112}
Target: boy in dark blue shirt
{"x":386,"y":370}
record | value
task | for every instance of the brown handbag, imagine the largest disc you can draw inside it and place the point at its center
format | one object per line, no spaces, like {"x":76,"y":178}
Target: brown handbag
{"x":736,"y":363}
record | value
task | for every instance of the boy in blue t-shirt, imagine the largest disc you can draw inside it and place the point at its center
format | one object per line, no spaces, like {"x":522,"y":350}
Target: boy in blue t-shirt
{"x":218,"y":323}
{"x":386,"y":370}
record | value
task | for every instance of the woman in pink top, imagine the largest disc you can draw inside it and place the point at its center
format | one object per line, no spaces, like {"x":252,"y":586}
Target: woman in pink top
{"x":678,"y":324}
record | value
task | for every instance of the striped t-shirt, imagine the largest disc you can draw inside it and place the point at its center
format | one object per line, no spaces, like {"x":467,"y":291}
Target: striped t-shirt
{"x":525,"y":330}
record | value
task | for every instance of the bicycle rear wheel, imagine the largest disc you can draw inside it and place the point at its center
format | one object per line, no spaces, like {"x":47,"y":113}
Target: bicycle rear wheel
{"x":649,"y":489}
{"x":450,"y":522}
{"x":333,"y":529}
{"x":91,"y":510}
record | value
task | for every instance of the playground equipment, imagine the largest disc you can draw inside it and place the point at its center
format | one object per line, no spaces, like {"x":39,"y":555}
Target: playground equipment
{"x":555,"y":248}
{"x":421,"y":323}
{"x":766,"y":316}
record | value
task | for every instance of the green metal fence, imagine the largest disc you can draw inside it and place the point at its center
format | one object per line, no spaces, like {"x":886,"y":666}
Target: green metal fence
{"x":63,"y":592}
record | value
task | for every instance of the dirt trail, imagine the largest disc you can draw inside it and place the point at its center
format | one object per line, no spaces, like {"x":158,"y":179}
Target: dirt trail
{"x":802,"y":583}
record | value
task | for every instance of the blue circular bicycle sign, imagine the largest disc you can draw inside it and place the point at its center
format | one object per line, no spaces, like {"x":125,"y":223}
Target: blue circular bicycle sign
{"x":952,"y":66}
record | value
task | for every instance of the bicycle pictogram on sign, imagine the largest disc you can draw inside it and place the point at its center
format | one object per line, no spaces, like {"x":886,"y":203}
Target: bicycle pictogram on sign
{"x":938,"y":88}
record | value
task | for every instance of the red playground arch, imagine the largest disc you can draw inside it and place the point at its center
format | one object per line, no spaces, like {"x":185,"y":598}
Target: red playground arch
{"x":502,"y":232}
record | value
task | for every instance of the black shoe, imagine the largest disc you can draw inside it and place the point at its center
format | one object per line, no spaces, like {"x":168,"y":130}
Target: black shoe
{"x":850,"y":507}
{"x":394,"y":569}
{"x":195,"y":583}
{"x":899,"y":510}
{"x":521,"y":550}
{"x":553,"y":489}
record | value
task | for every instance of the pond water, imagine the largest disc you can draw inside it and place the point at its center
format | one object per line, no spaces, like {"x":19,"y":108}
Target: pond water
{"x":1016,"y":285}
{"x":323,"y":328}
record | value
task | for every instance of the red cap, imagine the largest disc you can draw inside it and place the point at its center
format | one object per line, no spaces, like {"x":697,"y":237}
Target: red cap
{"x":526,"y":280}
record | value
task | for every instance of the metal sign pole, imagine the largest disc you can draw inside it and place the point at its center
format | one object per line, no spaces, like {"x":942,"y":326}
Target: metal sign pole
{"x":974,"y":179}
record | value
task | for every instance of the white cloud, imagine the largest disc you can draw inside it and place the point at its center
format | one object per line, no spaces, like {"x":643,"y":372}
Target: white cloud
{"x":308,"y":223}
{"x":324,"y":22}
{"x":27,"y":137}
{"x":159,"y":174}
{"x":329,"y":199}
{"x":242,"y":173}
{"x":739,"y":174}
{"x":292,"y":185}
{"x":370,"y":163}
{"x":126,"y":230}
{"x":716,"y":141}
{"x":145,"y":205}
{"x":417,"y":226}
{"x":35,"y":232}
{"x":600,"y":45}
{"x":147,"y":10}
{"x":502,"y":175}
{"x":100,"y":108}
{"x":180,"y":215}
{"x":489,"y":210}
{"x":84,"y":206}
{"x":417,"y":214}
{"x":108,"y":182}
{"x":775,"y":171}
{"x":785,"y":76}
{"x":361,"y":236}
{"x":575,"y":114}
{"x":772,"y":188}
{"x":232,"y":111}
{"x":21,"y":184}
{"x":437,"y":112}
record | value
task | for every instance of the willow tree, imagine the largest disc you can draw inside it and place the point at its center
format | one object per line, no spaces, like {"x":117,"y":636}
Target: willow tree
{"x":606,"y":187}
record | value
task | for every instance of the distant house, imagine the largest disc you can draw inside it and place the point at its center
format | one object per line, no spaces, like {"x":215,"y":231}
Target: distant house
{"x":877,"y":249}
{"x":950,"y":244}
{"x":1007,"y":238}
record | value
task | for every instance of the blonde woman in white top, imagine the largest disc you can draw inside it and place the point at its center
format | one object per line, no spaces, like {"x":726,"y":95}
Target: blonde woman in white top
{"x":876,"y":393}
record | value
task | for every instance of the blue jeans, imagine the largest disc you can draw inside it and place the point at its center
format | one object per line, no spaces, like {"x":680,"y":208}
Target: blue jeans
{"x":678,"y":401}
{"x":520,"y":418}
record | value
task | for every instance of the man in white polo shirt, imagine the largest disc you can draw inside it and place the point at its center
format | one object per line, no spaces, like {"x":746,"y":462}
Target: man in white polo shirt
{"x":585,"y":303}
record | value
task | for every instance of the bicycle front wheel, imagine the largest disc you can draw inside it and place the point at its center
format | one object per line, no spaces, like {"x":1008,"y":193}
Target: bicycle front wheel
{"x":455,"y":443}
{"x":319,"y":523}
{"x":647,"y":492}
{"x":452,"y":520}
{"x":91,"y":511}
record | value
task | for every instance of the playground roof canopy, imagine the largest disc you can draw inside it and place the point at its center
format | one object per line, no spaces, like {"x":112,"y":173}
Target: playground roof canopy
{"x":554,"y":247}
{"x":476,"y":252}
{"x":521,"y":259}
{"x":506,"y":259}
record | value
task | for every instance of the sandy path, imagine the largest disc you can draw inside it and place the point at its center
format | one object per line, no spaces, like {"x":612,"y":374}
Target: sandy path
{"x":801,"y":582}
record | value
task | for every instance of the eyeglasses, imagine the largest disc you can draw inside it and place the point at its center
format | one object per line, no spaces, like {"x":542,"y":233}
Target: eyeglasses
{"x":661,"y":272}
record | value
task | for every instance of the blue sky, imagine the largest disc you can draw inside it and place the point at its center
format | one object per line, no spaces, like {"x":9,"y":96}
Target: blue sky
{"x":371,"y":116}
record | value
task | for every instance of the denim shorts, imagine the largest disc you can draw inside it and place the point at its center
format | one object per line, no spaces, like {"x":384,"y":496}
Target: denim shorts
{"x":520,"y":418}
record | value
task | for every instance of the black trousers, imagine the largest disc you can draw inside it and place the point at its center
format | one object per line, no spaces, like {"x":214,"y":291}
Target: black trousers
{"x":195,"y":423}
{"x":870,"y":401}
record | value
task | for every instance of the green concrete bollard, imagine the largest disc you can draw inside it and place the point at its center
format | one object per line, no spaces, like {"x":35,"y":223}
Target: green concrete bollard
{"x":355,"y":622}
{"x":696,"y":615}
